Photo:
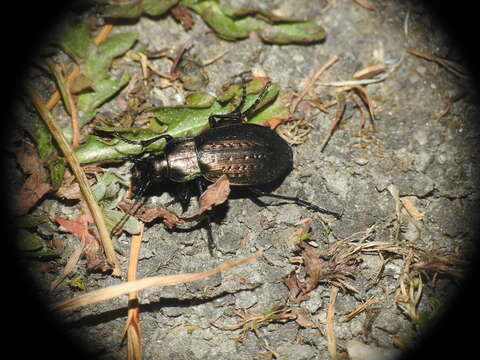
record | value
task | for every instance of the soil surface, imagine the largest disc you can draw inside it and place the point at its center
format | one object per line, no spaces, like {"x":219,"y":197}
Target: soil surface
{"x":420,"y":144}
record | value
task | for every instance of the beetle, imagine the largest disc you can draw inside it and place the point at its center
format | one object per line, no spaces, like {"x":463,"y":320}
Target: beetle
{"x":250,"y":155}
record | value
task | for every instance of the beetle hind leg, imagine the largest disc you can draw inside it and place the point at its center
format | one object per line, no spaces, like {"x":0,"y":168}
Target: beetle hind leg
{"x":297,"y":201}
{"x":210,"y":240}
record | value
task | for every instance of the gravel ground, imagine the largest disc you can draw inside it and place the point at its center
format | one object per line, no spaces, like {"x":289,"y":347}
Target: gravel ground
{"x":428,"y":156}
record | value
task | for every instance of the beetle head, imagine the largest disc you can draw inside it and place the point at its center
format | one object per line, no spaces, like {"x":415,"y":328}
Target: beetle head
{"x":147,"y":170}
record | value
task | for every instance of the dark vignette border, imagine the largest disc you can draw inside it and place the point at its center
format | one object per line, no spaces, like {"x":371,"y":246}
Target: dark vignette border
{"x":33,"y":333}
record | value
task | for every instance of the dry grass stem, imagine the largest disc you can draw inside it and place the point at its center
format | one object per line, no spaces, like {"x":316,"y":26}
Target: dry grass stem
{"x":331,"y":340}
{"x":214,"y":58}
{"x":372,"y":301}
{"x":336,"y":121}
{"x":311,"y":83}
{"x":160,"y":280}
{"x":132,"y":325}
{"x":365,"y":81}
{"x":449,"y":65}
{"x":366,"y":4}
{"x":81,"y":178}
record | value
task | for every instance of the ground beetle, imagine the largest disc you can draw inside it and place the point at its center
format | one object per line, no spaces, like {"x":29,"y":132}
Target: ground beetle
{"x":250,"y":155}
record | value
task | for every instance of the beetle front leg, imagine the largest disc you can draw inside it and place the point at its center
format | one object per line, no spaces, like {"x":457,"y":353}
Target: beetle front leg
{"x":144,"y":143}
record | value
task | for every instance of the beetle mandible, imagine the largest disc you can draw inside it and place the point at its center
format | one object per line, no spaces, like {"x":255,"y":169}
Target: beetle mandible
{"x":250,"y":155}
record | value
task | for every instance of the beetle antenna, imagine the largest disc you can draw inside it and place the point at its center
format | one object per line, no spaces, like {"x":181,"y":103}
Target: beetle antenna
{"x":252,"y":108}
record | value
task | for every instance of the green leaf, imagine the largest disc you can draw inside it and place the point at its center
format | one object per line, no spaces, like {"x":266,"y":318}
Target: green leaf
{"x":113,"y":217}
{"x":37,"y":129}
{"x":77,"y":283}
{"x":225,"y":27}
{"x":190,"y":119}
{"x":100,"y":58}
{"x":294,"y":32}
{"x":102,"y":91}
{"x":57,"y":169}
{"x":30,"y":221}
{"x":137,"y":8}
{"x":29,"y":242}
{"x":74,"y":38}
{"x":234,"y":24}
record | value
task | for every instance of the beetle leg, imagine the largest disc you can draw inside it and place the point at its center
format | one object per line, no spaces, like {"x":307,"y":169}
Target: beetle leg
{"x":144,"y":143}
{"x":297,"y":201}
{"x":210,"y":241}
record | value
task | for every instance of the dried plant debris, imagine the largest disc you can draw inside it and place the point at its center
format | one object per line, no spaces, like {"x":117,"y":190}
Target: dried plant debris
{"x":216,"y":194}
{"x":339,"y":264}
{"x":252,"y":322}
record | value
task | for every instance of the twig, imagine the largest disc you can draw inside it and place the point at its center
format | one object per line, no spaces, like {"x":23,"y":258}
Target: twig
{"x":311,"y":82}
{"x":74,"y":116}
{"x":81,"y":178}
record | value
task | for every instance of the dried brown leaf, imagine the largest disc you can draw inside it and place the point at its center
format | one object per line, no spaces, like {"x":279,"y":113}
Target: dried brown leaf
{"x":215,"y":194}
{"x":91,"y":248}
{"x":32,"y":190}
{"x":28,"y":159}
{"x":411,"y":208}
{"x":295,"y":286}
{"x":304,"y":318}
{"x":183,"y":15}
